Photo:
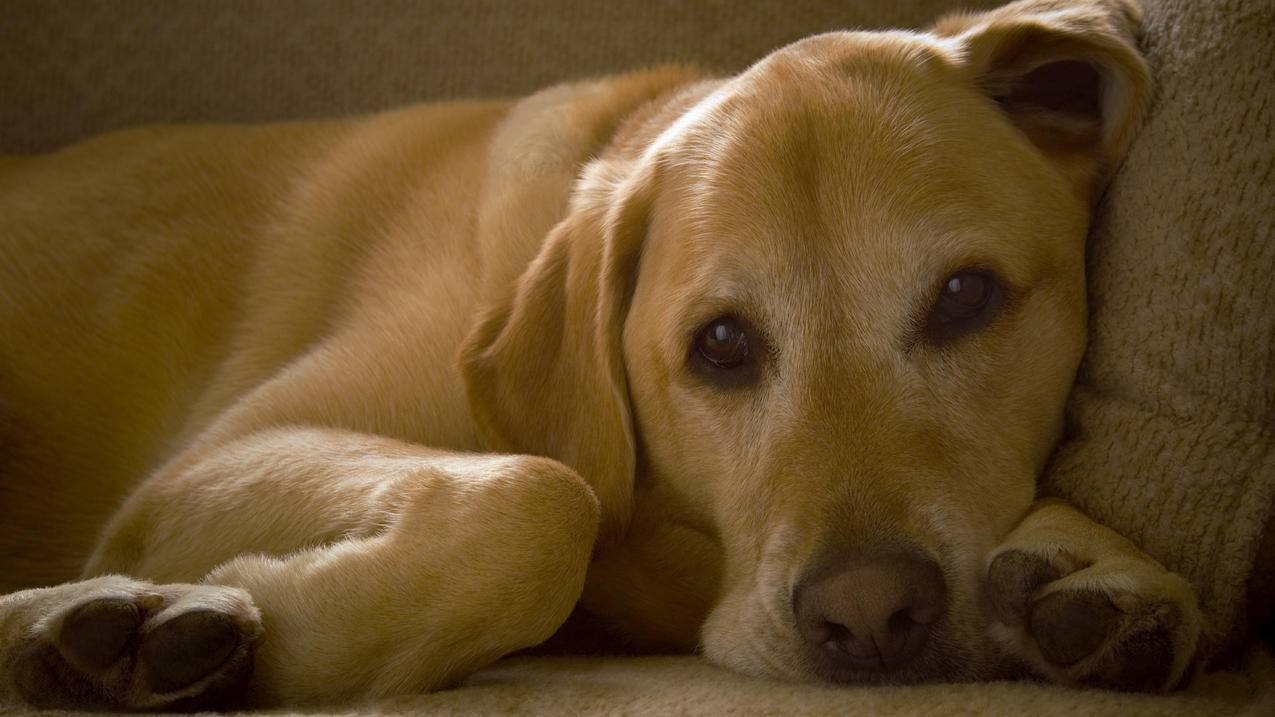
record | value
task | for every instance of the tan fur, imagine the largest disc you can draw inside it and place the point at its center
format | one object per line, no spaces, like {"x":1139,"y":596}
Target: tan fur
{"x":272,"y":357}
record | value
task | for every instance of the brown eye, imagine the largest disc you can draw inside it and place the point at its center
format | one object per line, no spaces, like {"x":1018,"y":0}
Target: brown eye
{"x":967,"y":301}
{"x":723,"y":344}
{"x":727,"y":353}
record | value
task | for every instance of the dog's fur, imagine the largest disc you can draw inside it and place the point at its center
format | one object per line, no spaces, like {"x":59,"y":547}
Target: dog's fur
{"x":404,"y":393}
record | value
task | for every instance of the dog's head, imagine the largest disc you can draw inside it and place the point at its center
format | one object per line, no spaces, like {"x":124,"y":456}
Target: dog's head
{"x":808,"y":333}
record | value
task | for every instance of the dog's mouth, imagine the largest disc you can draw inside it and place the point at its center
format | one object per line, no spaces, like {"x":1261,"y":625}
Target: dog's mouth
{"x":941,"y":659}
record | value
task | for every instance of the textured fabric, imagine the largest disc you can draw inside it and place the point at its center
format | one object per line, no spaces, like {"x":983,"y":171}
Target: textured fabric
{"x":72,"y":68}
{"x":1174,"y":412}
{"x":659,"y":686}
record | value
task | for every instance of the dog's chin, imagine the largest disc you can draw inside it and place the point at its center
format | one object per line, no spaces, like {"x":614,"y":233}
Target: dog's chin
{"x":942,"y":660}
{"x":949,"y":656}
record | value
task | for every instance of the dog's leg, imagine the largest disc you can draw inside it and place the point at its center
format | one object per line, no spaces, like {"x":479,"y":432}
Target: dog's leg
{"x":378,"y":567}
{"x":1080,"y":604}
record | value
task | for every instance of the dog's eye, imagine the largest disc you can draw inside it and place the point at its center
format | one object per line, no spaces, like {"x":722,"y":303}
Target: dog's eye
{"x":967,"y":301}
{"x":723,"y":352}
{"x":724,"y":344}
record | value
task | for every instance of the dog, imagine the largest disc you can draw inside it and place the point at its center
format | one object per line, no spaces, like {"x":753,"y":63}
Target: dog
{"x":763,"y":366}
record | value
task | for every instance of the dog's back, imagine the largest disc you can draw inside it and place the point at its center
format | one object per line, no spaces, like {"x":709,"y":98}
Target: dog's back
{"x":150,"y":277}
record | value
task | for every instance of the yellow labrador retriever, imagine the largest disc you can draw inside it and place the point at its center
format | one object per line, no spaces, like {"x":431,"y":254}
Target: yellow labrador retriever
{"x":764,"y":366}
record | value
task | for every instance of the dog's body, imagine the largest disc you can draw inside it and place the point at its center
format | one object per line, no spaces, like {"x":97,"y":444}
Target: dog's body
{"x":257,"y":370}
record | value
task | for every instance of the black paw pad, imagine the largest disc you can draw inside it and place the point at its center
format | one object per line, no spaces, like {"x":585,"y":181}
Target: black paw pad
{"x":1142,"y":658}
{"x":187,"y":648}
{"x":1069,"y":626}
{"x":1012,"y":579}
{"x":95,"y":635}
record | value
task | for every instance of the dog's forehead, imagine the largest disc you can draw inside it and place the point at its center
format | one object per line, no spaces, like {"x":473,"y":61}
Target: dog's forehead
{"x":838,"y":127}
{"x":859,"y":158}
{"x":801,"y":161}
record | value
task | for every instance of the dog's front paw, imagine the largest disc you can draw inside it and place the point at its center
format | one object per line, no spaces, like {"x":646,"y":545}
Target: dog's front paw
{"x":1121,"y":622}
{"x":115,"y":643}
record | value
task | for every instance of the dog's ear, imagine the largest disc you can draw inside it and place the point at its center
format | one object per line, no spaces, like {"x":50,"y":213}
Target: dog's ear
{"x":1066,"y":72}
{"x":543,"y":368}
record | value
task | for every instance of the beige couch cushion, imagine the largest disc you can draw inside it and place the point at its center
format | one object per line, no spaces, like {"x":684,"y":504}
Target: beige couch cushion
{"x":1174,"y":413}
{"x":76,"y":67}
{"x":668,"y":686}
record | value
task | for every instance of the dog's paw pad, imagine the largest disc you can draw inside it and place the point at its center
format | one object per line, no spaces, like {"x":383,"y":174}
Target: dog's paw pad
{"x":1115,"y":640}
{"x":1140,"y":655}
{"x":128,"y":645}
{"x":188,"y":648}
{"x":95,"y":636}
{"x":1012,"y":579}
{"x":1071,"y":625}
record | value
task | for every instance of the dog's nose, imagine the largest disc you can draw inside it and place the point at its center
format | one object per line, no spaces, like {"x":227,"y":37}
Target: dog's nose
{"x":874,"y":612}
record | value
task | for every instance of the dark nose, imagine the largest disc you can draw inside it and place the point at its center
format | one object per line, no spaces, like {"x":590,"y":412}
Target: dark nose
{"x":873,"y":610}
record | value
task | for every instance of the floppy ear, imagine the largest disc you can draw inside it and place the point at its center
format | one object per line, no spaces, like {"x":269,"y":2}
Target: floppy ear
{"x":1067,"y":73}
{"x":543,"y":368}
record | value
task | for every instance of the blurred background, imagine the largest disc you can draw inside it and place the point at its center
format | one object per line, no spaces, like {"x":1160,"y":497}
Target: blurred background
{"x":72,"y":68}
